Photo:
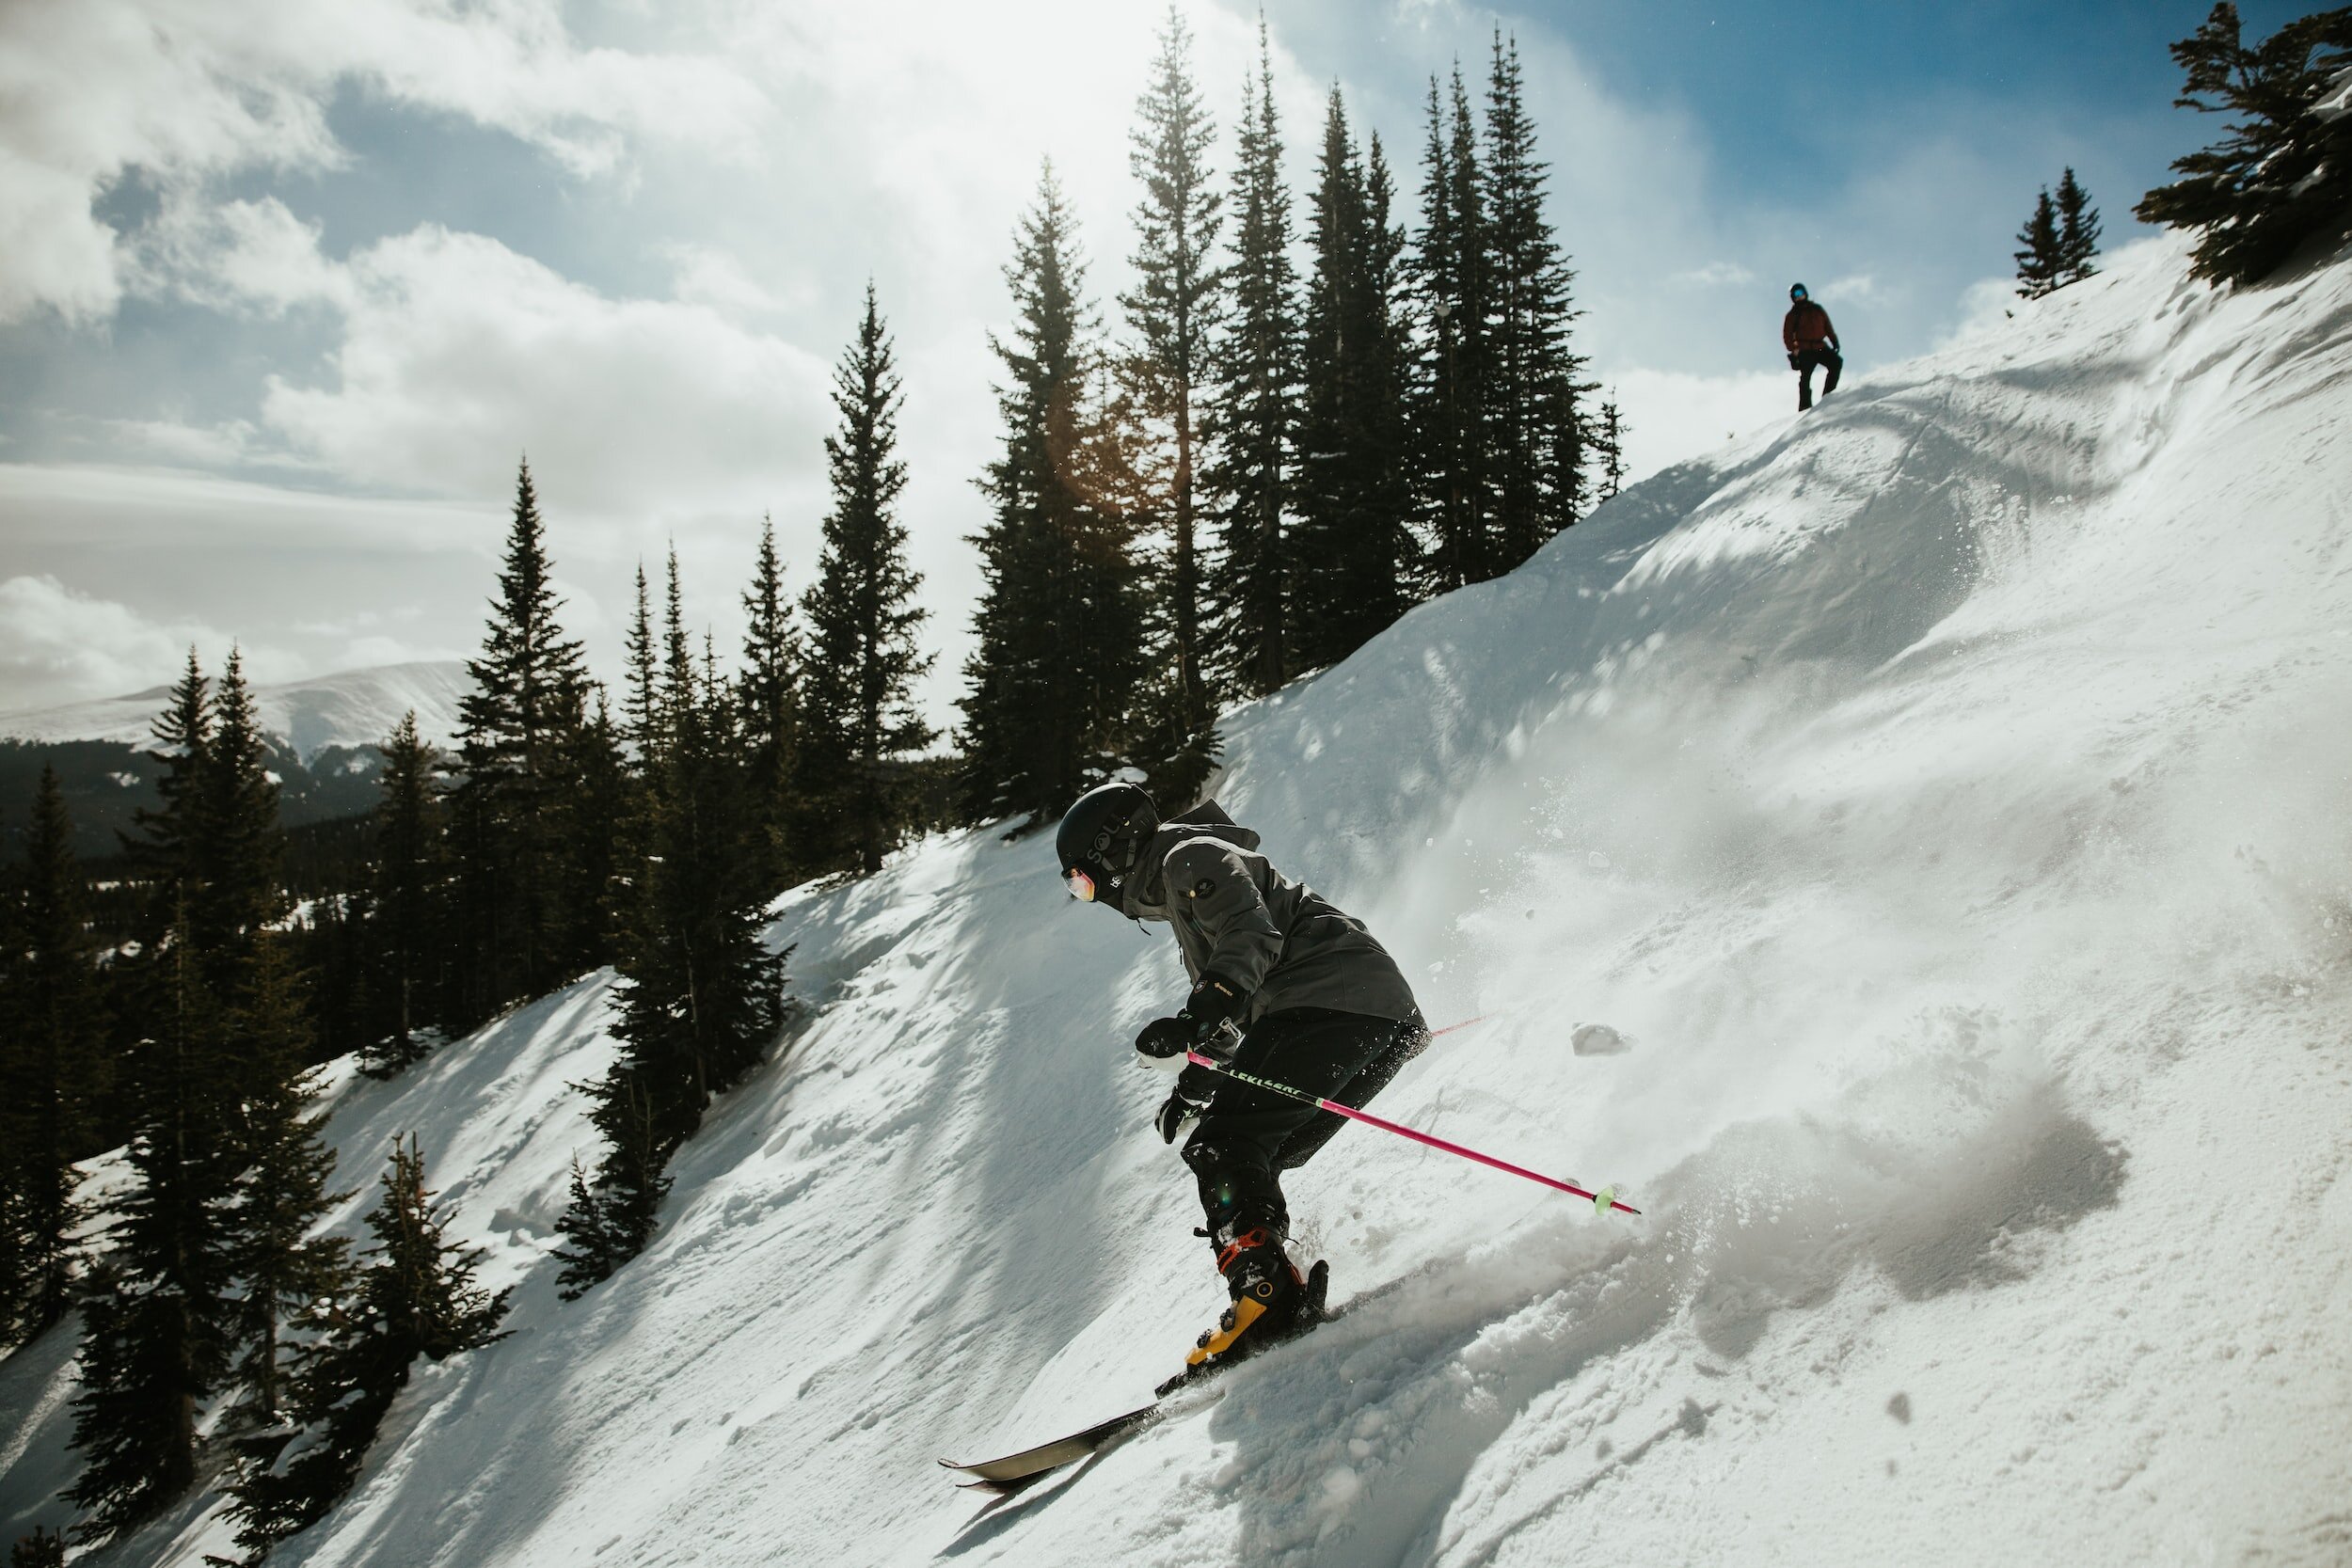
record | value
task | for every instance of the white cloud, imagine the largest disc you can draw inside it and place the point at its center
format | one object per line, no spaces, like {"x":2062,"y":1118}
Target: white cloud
{"x":225,"y":445}
{"x":250,"y":255}
{"x":1674,"y":416}
{"x":1715,"y":275}
{"x":457,"y":355}
{"x":60,"y":646}
{"x":705,"y":274}
{"x":185,"y":91}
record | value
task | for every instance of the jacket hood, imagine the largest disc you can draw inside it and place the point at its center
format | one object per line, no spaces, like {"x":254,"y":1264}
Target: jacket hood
{"x":1142,"y":894}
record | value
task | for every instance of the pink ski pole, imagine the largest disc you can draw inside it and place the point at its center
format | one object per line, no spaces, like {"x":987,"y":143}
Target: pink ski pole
{"x":1602,"y":1201}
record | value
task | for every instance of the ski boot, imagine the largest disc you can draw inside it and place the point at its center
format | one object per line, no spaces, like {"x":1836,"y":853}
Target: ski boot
{"x":1272,"y":1302}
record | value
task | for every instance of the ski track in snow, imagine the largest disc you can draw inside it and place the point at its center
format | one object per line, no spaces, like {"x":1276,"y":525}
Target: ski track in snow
{"x":1944,"y":798}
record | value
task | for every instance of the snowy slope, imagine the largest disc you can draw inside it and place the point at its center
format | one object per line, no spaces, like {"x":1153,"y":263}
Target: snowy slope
{"x":351,"y":709}
{"x":1944,"y":796}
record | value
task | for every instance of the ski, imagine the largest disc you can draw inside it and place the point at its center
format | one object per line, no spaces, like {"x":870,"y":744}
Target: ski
{"x":1016,"y":1472}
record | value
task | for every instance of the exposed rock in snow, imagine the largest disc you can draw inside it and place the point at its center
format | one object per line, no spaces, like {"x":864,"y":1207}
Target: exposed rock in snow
{"x":1598,"y":1039}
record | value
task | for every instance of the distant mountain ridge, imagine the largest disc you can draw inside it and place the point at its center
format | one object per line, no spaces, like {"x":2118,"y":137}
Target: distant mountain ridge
{"x":347,"y":710}
{"x":322,"y":733}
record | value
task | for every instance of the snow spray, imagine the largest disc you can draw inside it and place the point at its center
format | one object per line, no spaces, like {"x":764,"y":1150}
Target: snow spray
{"x":1602,"y":1201}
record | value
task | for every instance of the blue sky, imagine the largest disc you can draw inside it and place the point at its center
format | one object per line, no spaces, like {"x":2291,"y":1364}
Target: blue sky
{"x":287,"y":285}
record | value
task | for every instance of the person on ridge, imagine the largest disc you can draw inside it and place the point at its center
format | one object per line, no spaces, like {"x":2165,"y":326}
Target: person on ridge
{"x":1811,"y":340}
{"x":1284,"y":986}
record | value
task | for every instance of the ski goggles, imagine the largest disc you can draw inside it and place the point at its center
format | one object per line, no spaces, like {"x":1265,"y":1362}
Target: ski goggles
{"x":1081,"y":886}
{"x":1798,"y":293}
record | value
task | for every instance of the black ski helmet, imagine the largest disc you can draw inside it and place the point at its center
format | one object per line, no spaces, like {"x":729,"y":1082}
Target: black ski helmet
{"x":1796,"y":290}
{"x":1101,"y":834}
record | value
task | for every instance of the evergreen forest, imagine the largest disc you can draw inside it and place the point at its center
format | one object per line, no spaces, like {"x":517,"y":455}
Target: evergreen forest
{"x":1313,"y":409}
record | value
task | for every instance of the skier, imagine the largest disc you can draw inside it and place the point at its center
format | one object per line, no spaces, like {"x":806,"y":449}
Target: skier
{"x":1318,"y":1003}
{"x":1811,"y":340}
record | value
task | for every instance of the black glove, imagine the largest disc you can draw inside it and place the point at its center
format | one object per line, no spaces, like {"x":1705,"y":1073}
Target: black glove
{"x":1195,"y":1088}
{"x":1164,"y":1040}
{"x":1213,"y":1003}
{"x":1792,"y":363}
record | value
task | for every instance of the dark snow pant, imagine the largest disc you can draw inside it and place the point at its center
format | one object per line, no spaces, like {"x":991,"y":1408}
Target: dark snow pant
{"x":1807,"y":360}
{"x":1247,"y":1137}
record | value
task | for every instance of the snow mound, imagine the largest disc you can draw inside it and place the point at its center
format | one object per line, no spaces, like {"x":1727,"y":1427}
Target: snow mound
{"x":349,"y":710}
{"x":1942,"y":794}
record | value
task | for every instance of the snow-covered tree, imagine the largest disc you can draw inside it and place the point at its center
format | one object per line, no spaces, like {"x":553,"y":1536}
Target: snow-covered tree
{"x":2282,"y":172}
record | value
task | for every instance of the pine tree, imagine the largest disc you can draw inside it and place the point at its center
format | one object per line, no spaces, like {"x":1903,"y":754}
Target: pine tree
{"x":1254,"y":416}
{"x":1385,"y":557}
{"x":2040,"y":261}
{"x":2078,"y":230}
{"x":20,"y":1178}
{"x":212,"y":1235}
{"x":1333,"y":372}
{"x":1612,"y":443}
{"x":590,"y":817}
{"x":161,"y":857}
{"x":53,"y":1068}
{"x":156,"y":1316}
{"x":639,"y":709}
{"x":772,"y":699}
{"x":526,"y":697}
{"x":1568,"y":444}
{"x":612,"y":1214}
{"x":699,"y":997}
{"x":281,"y":1192}
{"x":1172,"y":315}
{"x":1052,"y":679}
{"x":1452,"y":268}
{"x":405,"y":947}
{"x":1352,"y":542}
{"x":238,"y":892}
{"x":1530,"y":314}
{"x":2283,"y":170}
{"x":862,"y":720}
{"x":415,"y":1295}
{"x":43,"y":1549}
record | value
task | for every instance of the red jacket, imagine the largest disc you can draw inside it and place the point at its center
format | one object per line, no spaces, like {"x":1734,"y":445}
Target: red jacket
{"x":1806,"y":326}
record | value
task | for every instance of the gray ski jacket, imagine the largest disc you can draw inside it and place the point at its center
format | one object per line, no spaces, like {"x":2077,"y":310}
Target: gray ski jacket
{"x":1236,"y":917}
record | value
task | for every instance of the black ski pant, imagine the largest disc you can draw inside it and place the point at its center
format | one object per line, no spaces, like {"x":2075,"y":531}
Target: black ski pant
{"x":1806,"y":361}
{"x":1248,"y":1136}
